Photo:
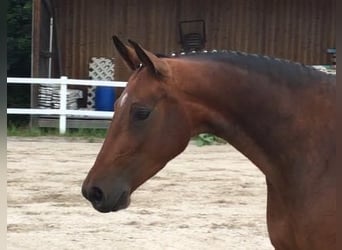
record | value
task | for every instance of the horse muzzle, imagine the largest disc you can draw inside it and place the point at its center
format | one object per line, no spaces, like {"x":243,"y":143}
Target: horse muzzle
{"x":107,"y":201}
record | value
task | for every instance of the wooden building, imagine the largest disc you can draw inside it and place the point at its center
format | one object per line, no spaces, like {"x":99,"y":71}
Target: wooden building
{"x":297,"y":30}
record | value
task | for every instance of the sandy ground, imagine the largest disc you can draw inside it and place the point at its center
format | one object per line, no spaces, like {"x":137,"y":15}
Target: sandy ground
{"x":207,"y":198}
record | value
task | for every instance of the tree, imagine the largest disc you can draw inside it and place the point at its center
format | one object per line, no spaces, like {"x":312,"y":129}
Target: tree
{"x":19,"y":29}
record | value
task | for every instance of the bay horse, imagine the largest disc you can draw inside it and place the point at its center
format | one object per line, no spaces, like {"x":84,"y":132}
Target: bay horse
{"x":279,"y":114}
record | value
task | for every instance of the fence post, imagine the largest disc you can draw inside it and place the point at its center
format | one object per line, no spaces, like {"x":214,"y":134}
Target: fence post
{"x":63,"y":105}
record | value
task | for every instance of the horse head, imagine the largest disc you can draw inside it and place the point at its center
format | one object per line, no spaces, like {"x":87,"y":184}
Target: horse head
{"x":149,"y":128}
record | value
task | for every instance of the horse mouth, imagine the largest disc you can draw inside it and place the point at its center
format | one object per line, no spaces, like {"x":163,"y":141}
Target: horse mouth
{"x":123,"y":202}
{"x":113,"y":206}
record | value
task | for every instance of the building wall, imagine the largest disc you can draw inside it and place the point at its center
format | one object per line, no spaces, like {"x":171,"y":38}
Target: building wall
{"x":292,"y":29}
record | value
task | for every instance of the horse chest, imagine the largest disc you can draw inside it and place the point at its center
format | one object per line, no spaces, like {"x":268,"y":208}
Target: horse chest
{"x":297,"y":227}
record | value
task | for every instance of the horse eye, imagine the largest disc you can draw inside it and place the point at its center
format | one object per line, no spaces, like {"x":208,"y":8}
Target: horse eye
{"x":141,"y":113}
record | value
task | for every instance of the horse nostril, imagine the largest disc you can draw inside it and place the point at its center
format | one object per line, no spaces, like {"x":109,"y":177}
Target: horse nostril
{"x":95,"y":195}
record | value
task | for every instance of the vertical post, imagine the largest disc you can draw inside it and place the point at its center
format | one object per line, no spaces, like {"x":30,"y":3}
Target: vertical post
{"x":35,"y":59}
{"x":50,"y":47}
{"x":63,"y":105}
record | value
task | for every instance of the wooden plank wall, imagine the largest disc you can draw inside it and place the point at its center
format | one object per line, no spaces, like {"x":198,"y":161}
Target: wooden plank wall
{"x":296,"y":30}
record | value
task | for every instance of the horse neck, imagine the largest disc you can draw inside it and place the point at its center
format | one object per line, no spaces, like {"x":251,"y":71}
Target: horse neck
{"x":258,"y":117}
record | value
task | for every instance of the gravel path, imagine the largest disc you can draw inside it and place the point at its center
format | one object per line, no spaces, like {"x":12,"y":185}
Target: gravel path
{"x":207,"y":198}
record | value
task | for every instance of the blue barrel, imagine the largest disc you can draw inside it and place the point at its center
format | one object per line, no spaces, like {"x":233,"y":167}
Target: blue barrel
{"x":104,"y":98}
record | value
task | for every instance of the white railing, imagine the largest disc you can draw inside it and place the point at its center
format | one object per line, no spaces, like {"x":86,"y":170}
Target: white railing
{"x":62,"y":112}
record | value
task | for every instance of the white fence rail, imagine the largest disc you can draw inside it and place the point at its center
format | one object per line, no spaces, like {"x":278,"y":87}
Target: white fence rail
{"x":62,"y":112}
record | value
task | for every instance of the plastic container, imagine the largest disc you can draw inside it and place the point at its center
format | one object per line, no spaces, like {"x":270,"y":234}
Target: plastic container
{"x":104,"y":98}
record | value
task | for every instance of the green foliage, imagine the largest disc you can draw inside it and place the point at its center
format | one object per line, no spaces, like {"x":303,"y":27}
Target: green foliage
{"x":208,"y":139}
{"x":91,"y":135}
{"x":19,"y":29}
{"x":13,"y":130}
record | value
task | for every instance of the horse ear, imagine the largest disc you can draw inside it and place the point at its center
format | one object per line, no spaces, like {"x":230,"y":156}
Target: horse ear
{"x":128,"y":54}
{"x":155,"y":65}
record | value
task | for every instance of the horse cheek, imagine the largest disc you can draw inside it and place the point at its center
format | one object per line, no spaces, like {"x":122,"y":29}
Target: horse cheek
{"x":178,"y":134}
